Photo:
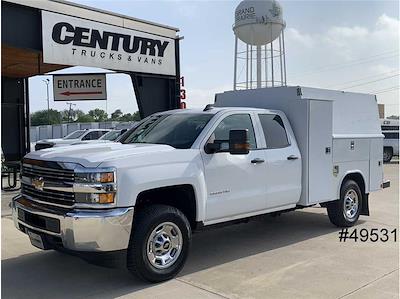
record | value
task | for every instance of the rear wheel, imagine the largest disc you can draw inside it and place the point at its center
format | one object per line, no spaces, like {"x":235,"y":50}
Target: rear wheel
{"x":387,"y":154}
{"x":346,"y":211}
{"x":159,"y":243}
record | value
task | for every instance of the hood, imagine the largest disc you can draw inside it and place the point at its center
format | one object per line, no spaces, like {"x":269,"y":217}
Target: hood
{"x":58,"y":141}
{"x":91,"y":155}
{"x":79,"y":142}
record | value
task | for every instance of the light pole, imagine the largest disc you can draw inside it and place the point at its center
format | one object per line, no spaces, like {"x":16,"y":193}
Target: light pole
{"x":70,"y":109}
{"x":47,"y":81}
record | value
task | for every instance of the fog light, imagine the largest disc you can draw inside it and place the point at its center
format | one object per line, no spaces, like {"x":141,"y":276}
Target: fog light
{"x":106,"y":198}
{"x":96,"y":198}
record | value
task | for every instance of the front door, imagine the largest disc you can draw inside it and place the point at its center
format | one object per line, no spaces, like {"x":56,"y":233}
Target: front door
{"x":236,"y":184}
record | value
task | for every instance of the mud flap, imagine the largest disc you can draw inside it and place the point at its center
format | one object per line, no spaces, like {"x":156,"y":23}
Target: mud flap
{"x":365,"y":205}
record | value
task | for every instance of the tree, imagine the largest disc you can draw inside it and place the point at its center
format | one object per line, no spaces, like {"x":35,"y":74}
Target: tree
{"x":136,"y":116}
{"x":41,"y":117}
{"x":72,"y":115}
{"x":130,"y":117}
{"x":98,"y":114}
{"x":116,"y":114}
{"x":85,"y":118}
{"x":126,"y":117}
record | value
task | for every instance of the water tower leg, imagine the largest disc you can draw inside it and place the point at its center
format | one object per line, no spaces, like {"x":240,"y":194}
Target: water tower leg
{"x":266,"y":65}
{"x":272,"y":65}
{"x":258,"y":66}
{"x":280,"y":58}
{"x":235,"y":64}
{"x":251,"y":66}
{"x":284,"y":55}
{"x":247,"y":66}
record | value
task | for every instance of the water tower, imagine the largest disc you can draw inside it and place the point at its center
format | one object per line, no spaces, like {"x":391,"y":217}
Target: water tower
{"x":260,"y":56}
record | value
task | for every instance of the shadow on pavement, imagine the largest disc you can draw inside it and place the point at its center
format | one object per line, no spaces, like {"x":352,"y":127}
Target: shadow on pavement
{"x":51,"y":274}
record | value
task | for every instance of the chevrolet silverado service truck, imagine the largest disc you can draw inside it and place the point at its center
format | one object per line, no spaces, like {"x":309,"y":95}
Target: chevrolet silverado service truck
{"x":136,"y":203}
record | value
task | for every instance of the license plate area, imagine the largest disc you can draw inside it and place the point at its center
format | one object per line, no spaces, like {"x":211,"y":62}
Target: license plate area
{"x":36,"y":240}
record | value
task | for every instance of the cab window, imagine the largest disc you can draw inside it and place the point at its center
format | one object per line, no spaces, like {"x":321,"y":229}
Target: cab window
{"x":274,"y":131}
{"x":233,"y":122}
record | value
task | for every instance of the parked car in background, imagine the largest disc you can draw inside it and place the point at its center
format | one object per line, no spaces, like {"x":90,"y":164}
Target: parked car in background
{"x":111,"y":136}
{"x":74,"y":137}
{"x":390,"y":128}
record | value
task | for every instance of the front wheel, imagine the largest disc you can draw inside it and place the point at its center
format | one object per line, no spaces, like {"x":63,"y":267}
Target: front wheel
{"x":346,"y":211}
{"x":159,"y":243}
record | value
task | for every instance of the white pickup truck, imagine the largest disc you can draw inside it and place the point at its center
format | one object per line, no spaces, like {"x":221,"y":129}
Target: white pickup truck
{"x":390,"y":129}
{"x":137,"y":203}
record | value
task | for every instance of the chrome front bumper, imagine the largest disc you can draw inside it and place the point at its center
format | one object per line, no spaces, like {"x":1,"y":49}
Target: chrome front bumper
{"x":78,"y":230}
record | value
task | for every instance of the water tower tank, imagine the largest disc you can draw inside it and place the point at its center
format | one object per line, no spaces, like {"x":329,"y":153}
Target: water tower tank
{"x":258,"y":22}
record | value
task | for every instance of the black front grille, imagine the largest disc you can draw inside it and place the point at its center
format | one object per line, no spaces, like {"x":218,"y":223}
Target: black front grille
{"x":51,"y":174}
{"x":64,"y":199}
{"x":40,"y":146}
{"x":48,"y":174}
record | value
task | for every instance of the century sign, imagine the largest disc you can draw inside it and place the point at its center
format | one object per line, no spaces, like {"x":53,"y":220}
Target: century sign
{"x":72,"y":41}
{"x":79,"y":87}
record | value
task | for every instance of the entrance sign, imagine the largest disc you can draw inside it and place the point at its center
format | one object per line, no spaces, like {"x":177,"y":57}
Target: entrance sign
{"x":73,"y":41}
{"x":79,"y":87}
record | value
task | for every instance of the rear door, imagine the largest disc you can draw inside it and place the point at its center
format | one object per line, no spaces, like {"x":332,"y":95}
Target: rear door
{"x":283,"y":161}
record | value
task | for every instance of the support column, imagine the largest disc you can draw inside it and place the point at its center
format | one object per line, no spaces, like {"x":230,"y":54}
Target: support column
{"x":258,"y":66}
{"x":235,"y":64}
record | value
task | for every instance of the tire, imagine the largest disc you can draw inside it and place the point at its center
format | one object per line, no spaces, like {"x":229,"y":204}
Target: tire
{"x":387,"y":154}
{"x":346,"y":211}
{"x":157,"y":230}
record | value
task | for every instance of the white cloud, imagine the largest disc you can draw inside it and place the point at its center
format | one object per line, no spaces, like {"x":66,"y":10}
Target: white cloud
{"x":200,"y":97}
{"x":294,"y":35}
{"x":343,"y":54}
{"x":351,"y":42}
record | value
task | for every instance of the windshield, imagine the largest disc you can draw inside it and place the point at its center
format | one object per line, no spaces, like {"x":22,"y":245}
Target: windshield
{"x":178,"y":130}
{"x":75,"y":135}
{"x":112,"y":135}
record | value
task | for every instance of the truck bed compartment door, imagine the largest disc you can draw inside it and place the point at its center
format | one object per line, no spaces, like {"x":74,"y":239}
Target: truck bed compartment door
{"x":320,"y":166}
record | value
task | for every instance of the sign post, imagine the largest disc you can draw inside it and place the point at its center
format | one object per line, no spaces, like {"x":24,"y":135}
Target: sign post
{"x":82,"y":87}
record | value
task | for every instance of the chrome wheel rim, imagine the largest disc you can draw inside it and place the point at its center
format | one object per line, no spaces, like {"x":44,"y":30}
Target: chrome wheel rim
{"x":164,"y":245}
{"x":351,"y":204}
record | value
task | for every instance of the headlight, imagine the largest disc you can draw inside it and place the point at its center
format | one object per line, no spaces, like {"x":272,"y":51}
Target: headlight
{"x":94,"y":177}
{"x":95,"y":186}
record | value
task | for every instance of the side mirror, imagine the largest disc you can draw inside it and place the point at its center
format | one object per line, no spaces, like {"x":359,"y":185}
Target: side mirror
{"x":239,"y":142}
{"x":212,"y":148}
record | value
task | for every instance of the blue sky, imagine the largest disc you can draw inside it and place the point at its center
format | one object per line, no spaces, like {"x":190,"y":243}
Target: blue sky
{"x":329,"y":44}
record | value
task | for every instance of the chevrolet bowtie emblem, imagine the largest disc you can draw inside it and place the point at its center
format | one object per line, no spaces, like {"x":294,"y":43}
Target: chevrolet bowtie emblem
{"x":38,"y":183}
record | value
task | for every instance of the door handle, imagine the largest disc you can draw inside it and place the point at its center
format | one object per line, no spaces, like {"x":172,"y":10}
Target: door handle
{"x":257,"y":161}
{"x":292,"y":157}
